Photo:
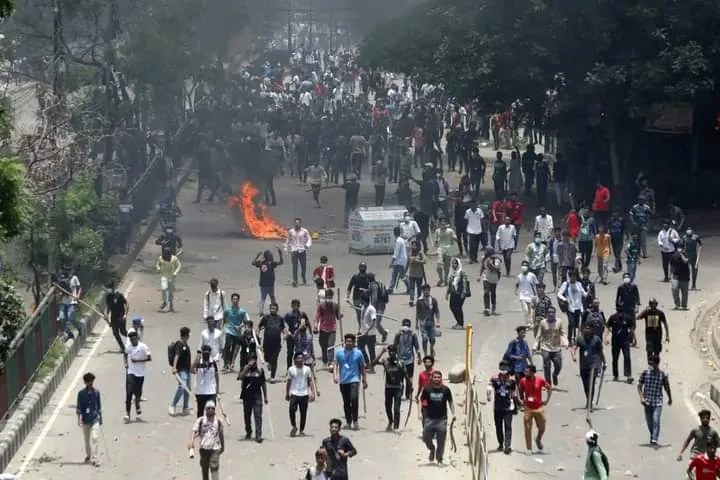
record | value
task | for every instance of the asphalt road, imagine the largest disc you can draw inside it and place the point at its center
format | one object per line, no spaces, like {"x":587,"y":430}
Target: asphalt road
{"x":155,"y":447}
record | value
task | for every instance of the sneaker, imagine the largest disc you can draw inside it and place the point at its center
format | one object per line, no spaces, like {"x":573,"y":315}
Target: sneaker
{"x":138,"y":414}
{"x":95,"y":463}
{"x":629,"y":380}
{"x":486,"y":312}
{"x":388,"y":428}
{"x":355,"y":426}
{"x":163,"y":305}
{"x":126,"y":418}
{"x":507,"y":451}
{"x":431,"y":455}
{"x":555,"y":380}
{"x":248,"y":435}
{"x":171,"y":411}
{"x":457,"y":327}
{"x":301,"y":433}
{"x":539,"y":444}
{"x":259,"y":439}
{"x":293,"y":432}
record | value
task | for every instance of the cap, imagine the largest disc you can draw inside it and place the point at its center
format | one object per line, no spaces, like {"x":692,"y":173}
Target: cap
{"x":209,"y":404}
{"x":132,"y":332}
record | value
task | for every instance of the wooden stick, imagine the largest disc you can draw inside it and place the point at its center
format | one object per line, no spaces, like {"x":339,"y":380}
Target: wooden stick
{"x":92,"y":308}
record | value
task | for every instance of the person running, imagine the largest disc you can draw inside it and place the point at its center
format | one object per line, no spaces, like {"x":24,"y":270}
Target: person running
{"x":207,"y":377}
{"x":117,"y":308}
{"x":651,"y":384}
{"x":88,"y":408}
{"x":299,"y":391}
{"x":438,"y":398}
{"x":705,"y":465}
{"x":502,"y":391}
{"x":136,"y":356}
{"x":407,"y":345}
{"x":339,"y":449}
{"x":208,"y":429}
{"x":349,"y":371}
{"x":235,"y":317}
{"x":395,"y":377}
{"x":168,"y":266}
{"x":700,"y":436}
{"x":254,"y":394}
{"x":530,"y":393}
{"x":596,"y":464}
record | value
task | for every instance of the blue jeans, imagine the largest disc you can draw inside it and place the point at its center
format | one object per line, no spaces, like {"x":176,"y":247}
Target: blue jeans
{"x":396,"y":275}
{"x":180,"y":392}
{"x":427,"y":333}
{"x":652,"y":417}
{"x":631,"y":269}
{"x":67,"y":317}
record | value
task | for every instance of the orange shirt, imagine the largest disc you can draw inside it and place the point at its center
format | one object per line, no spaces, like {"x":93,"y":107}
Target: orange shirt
{"x":602,"y":244}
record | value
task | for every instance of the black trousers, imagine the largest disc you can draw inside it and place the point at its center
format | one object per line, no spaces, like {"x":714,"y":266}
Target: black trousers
{"x":503,"y":427}
{"x":379,"y":195}
{"x":585,"y":247}
{"x":617,"y":246}
{"x":474,"y":246}
{"x":573,"y":325}
{"x":366,"y":344}
{"x":272,"y":352}
{"x":133,"y":387}
{"x":666,"y":256}
{"x":410,"y":370}
{"x":327,"y":340}
{"x":588,"y":376}
{"x":621,"y":345}
{"x":297,"y":402}
{"x":507,"y":260}
{"x":119,"y":330}
{"x":653,"y":345}
{"x":298,"y":258}
{"x":351,"y":401}
{"x":489,"y":295}
{"x":393,"y":397}
{"x":462,"y":240}
{"x":289,"y":351}
{"x":456,"y":307}
{"x":252,"y":410}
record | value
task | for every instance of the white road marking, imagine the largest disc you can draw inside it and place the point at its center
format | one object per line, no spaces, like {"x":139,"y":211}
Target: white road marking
{"x":66,"y":396}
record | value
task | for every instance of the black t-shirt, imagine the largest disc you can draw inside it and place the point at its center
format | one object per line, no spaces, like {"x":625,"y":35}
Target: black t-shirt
{"x":359,"y":284}
{"x":654,"y":320}
{"x":680,"y":268}
{"x":352,"y":191}
{"x":590,"y":350}
{"x":504,"y":392}
{"x":292,"y":320}
{"x":436,"y":399}
{"x":620,"y":325}
{"x":272,"y":326}
{"x":252,"y":384}
{"x":267,"y":273}
{"x":394,"y":373}
{"x":182,"y":350}
{"x":116,"y":303}
{"x":596,"y":320}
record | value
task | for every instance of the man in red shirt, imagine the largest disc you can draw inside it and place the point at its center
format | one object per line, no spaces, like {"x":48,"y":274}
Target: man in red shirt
{"x":497,"y":214}
{"x":706,"y":465}
{"x":424,"y":380}
{"x":515,"y":210}
{"x":531,"y":387}
{"x":601,"y":204}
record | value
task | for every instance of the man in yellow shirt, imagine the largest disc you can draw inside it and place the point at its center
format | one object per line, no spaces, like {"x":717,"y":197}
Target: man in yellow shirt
{"x":601,"y":245}
{"x":168,"y":266}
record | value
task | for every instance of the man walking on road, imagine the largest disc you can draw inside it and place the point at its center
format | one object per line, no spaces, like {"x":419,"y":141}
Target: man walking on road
{"x":298,"y":242}
{"x":531,"y":388}
{"x":137,"y":354}
{"x":89,"y":412}
{"x":181,"y":365}
{"x":338,"y":448}
{"x":299,"y":391}
{"x":650,"y":389}
{"x":503,"y":387}
{"x":348,"y":372}
{"x":209,"y":429}
{"x":254,"y":394}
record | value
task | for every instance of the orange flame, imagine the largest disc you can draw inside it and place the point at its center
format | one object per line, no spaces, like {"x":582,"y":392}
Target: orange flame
{"x":258,"y":221}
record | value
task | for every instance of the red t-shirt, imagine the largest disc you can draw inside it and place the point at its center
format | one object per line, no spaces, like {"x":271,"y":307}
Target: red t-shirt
{"x":601,"y":203}
{"x":515,"y":210}
{"x":532,"y":391}
{"x":705,"y":468}
{"x":424,"y":380}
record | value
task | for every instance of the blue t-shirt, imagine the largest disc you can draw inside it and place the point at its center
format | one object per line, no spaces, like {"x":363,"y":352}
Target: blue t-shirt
{"x":349,"y":364}
{"x":234,"y":320}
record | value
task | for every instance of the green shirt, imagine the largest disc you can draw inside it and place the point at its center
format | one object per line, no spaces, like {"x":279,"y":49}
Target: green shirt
{"x":445,"y":240}
{"x":594,"y":467}
{"x":692,"y":242}
{"x":632,"y":251}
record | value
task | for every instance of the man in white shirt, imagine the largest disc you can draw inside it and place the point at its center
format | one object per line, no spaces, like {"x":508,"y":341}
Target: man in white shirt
{"x":474,"y":216}
{"x":213,"y":337}
{"x":367,"y":337}
{"x":214,"y":301}
{"x":70,"y":283}
{"x":299,"y":391}
{"x":297,"y":243}
{"x":666,"y":239}
{"x":505,"y":242}
{"x":526,"y":291}
{"x":399,"y":261}
{"x":410,"y":229}
{"x":544,"y":225}
{"x":136,"y":355}
{"x":572,"y":294}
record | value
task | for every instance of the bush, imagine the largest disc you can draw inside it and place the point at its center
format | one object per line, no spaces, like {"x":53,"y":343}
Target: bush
{"x":12,"y":315}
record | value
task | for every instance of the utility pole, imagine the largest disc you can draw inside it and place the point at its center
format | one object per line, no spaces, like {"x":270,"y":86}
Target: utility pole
{"x":59,"y":67}
{"x":312,"y":34}
{"x":289,"y":27}
{"x":111,"y":33}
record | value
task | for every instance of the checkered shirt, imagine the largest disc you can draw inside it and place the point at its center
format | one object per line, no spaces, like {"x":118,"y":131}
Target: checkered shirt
{"x":651,"y":382}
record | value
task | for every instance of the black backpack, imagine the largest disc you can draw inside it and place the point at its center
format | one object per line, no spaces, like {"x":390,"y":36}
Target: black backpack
{"x":383,"y":296}
{"x":172,"y":348}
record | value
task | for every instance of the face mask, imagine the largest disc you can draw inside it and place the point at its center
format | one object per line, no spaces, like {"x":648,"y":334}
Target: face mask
{"x":689,"y":232}
{"x":538,"y":241}
{"x":524,"y":269}
{"x":503,"y":371}
{"x":406,"y":328}
{"x":626,"y":280}
{"x":551,"y":318}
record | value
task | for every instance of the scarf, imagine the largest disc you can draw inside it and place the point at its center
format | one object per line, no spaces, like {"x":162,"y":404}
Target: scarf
{"x":455,"y":275}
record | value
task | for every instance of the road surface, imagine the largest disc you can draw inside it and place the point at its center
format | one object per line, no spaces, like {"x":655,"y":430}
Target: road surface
{"x":155,"y":447}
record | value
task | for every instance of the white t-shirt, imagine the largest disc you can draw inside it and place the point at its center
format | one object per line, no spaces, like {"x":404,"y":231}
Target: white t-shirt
{"x":300,"y":380}
{"x":213,"y":339}
{"x":137,"y":352}
{"x":206,"y":384}
{"x":526,"y":285}
{"x":370,"y":318}
{"x":474,"y":218}
{"x":409,"y":229}
{"x":74,"y":289}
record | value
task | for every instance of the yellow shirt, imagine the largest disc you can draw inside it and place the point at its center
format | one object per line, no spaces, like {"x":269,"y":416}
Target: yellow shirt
{"x":170,"y":268}
{"x":602,"y":245}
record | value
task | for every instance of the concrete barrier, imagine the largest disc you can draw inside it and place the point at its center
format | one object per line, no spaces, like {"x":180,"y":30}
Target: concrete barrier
{"x":30,"y":408}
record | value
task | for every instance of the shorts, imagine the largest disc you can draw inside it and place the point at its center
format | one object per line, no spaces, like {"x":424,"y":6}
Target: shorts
{"x":427,"y":332}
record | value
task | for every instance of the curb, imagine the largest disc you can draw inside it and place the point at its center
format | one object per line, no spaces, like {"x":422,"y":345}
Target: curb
{"x":31,"y":407}
{"x":713,"y":332}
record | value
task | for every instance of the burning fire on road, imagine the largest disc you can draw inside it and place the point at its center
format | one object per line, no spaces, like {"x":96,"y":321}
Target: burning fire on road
{"x":255,"y":217}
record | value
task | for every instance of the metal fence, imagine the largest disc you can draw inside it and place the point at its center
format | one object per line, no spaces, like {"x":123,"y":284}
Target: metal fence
{"x":474,"y":426}
{"x":26,"y":352}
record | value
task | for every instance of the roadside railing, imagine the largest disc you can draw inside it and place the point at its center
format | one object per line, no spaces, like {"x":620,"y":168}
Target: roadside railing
{"x":474,"y":426}
{"x":27,"y":350}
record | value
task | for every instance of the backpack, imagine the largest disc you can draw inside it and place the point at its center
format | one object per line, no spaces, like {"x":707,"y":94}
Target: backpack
{"x":222,"y":299}
{"x":383,"y":296}
{"x":171,"y":352}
